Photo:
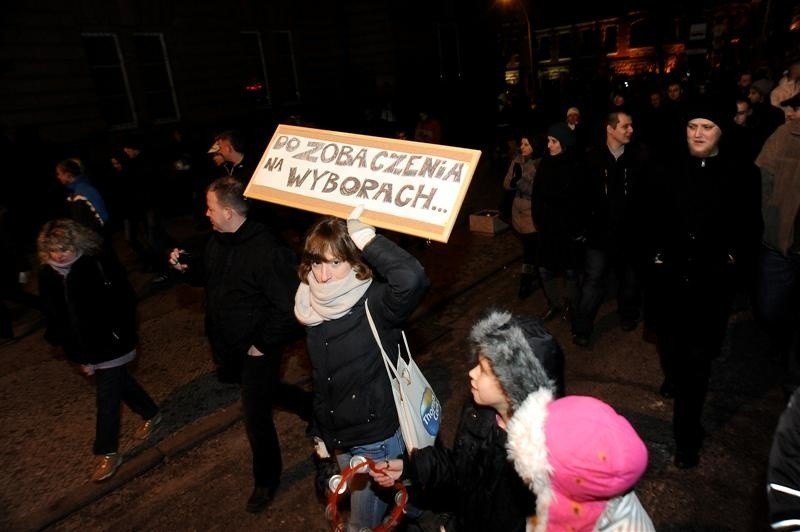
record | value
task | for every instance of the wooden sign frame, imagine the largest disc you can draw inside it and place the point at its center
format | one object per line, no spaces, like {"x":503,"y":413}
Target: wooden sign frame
{"x":397,"y":181}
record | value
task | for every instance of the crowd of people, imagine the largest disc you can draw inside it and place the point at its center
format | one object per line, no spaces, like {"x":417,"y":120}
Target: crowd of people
{"x":691,"y":205}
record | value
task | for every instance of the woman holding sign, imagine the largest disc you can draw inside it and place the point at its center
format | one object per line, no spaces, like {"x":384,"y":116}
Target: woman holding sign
{"x":353,"y":405}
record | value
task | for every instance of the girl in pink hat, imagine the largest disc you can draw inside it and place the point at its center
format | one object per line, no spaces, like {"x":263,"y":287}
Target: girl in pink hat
{"x":581,"y":459}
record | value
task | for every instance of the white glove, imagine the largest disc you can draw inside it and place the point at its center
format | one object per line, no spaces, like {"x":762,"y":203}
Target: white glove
{"x":361,"y":233}
{"x":254,"y":352}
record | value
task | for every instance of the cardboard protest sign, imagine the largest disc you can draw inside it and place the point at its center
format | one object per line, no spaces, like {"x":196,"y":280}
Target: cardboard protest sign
{"x":405,"y":186}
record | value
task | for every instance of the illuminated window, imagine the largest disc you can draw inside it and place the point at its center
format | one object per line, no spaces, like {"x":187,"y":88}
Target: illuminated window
{"x":643,"y":33}
{"x":110,"y":79}
{"x":610,"y":40}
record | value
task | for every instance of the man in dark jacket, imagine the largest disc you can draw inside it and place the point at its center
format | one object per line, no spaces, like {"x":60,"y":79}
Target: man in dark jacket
{"x":616,"y":172}
{"x":250,"y":281}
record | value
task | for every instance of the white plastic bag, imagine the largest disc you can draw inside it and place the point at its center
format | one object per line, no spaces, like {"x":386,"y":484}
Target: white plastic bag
{"x":418,"y":408}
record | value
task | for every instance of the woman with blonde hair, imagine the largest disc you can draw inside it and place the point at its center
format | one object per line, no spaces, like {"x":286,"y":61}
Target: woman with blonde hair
{"x":91,"y":313}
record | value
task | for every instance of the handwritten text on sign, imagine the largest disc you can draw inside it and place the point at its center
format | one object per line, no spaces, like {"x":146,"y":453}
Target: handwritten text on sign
{"x":406,"y":181}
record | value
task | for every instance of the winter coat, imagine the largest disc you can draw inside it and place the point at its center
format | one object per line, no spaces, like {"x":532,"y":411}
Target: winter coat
{"x":91,"y":312}
{"x":582,"y":460}
{"x":250,"y":281}
{"x":475,"y":479}
{"x":698,"y":216}
{"x":559,"y":210}
{"x":519,"y":178}
{"x":779,"y":162}
{"x":614,"y":198}
{"x":783,"y":476}
{"x":353,"y":402}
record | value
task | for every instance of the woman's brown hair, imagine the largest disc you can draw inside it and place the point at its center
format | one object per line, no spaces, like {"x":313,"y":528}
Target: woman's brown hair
{"x":329,"y":236}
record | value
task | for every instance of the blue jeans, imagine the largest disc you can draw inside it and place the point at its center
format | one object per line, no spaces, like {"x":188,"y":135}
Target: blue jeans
{"x":368,"y":501}
{"x":599,"y":263}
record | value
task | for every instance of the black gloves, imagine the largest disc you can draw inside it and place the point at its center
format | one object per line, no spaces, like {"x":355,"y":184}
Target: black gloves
{"x":516,"y":175}
{"x":326,"y":468}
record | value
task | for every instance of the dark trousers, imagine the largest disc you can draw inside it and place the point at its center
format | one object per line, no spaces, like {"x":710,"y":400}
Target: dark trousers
{"x":260,"y":379}
{"x":115,"y":385}
{"x":687,"y":365}
{"x":598,"y":264}
{"x":530,"y":250}
{"x":778,"y":306}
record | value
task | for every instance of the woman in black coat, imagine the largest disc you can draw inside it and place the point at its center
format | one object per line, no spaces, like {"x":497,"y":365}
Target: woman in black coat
{"x":343,"y":266}
{"x":558,"y":193}
{"x":91,"y":313}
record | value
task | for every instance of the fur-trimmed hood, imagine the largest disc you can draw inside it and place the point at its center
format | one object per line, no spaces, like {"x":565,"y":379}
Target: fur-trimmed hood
{"x":523,"y":354}
{"x":575,"y":454}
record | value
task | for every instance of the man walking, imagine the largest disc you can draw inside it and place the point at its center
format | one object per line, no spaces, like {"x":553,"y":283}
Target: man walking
{"x":615,"y":177}
{"x":250,"y":281}
{"x":699,"y":222}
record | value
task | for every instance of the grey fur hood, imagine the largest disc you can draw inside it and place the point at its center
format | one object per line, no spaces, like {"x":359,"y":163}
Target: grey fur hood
{"x":524,"y":355}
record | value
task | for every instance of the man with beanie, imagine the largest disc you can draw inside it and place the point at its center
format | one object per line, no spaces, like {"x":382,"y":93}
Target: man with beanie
{"x":698,"y":224}
{"x":764,"y":118}
{"x":475,"y":481}
{"x":779,"y":262}
{"x":788,"y":86}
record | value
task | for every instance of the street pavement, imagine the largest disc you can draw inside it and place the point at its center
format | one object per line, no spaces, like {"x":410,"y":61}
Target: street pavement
{"x":48,"y":411}
{"x":193,"y":473}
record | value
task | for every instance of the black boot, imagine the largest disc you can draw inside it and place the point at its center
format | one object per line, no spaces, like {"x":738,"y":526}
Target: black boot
{"x":525,"y":285}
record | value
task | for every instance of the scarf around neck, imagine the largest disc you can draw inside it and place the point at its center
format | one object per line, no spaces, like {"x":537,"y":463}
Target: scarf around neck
{"x":63,"y":268}
{"x":317,"y":302}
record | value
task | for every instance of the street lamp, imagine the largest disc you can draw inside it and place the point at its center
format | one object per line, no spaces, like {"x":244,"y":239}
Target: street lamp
{"x":531,"y":83}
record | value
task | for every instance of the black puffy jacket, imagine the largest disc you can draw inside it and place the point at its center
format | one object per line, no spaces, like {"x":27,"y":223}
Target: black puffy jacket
{"x":353,"y":402}
{"x":250,"y":281}
{"x":91,"y":312}
{"x":475,"y":479}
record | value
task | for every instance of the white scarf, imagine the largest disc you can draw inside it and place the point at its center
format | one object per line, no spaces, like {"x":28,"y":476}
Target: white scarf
{"x":63,"y":268}
{"x":317,"y":302}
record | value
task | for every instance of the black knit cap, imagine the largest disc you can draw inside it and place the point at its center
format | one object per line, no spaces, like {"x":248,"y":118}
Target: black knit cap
{"x":563,"y":134}
{"x":718,"y":110}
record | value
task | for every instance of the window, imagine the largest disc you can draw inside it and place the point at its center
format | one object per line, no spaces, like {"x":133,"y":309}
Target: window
{"x":565,"y":46}
{"x":110,"y":79}
{"x":255,"y":84}
{"x":587,"y":42}
{"x":543,"y":50}
{"x":282,"y":69}
{"x":449,"y":51}
{"x":610,"y":40}
{"x":669,"y":31}
{"x":643,"y":33}
{"x":159,"y":91}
